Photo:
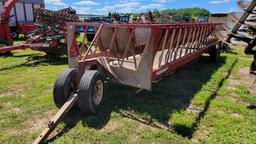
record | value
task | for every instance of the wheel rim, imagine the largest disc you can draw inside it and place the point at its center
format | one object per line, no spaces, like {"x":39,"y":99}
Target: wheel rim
{"x":14,"y":34}
{"x":97,"y":92}
{"x":72,"y":87}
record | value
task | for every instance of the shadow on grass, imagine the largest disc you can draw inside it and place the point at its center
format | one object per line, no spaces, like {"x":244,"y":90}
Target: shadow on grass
{"x":231,"y":52}
{"x":7,"y":54}
{"x":186,"y":131}
{"x":171,"y":94}
{"x":35,"y":60}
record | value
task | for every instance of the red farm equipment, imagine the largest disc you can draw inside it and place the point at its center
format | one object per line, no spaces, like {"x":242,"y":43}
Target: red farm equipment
{"x":17,"y":17}
{"x":46,"y":34}
{"x":126,"y":54}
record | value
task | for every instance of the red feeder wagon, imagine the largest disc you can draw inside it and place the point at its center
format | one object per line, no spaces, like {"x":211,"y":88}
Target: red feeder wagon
{"x":127,"y":54}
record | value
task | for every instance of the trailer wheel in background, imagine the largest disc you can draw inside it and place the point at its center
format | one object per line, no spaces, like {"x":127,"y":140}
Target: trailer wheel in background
{"x":15,"y":35}
{"x":3,"y":43}
{"x":90,"y":91}
{"x":63,"y":86}
{"x":253,"y":66}
{"x":215,"y":53}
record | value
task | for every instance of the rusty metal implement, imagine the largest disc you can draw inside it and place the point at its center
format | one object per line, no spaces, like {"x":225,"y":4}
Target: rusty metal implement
{"x":137,"y":54}
{"x":127,"y":54}
{"x":240,"y":29}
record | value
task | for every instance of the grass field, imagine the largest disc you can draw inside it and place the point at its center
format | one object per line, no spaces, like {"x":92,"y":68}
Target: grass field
{"x":200,"y":103}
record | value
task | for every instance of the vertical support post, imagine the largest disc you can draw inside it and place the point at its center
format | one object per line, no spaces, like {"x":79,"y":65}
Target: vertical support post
{"x":177,"y":44}
{"x":163,"y":47}
{"x":112,"y":43}
{"x":193,"y":40}
{"x":183,"y":42}
{"x":95,"y":37}
{"x":189,"y":40}
{"x":171,"y":44}
{"x":127,"y":46}
{"x":85,"y":37}
{"x":197,"y":37}
{"x":200,"y":38}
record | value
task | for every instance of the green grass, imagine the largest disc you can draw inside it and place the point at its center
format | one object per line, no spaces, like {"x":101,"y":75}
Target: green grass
{"x":194,"y":105}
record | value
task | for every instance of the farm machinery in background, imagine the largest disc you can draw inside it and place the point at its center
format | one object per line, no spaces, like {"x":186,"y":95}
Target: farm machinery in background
{"x":52,"y":30}
{"x":21,"y":15}
{"x":17,"y":17}
{"x":240,"y":29}
{"x":49,"y":35}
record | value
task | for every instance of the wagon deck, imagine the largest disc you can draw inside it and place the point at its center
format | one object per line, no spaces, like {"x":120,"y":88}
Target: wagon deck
{"x":136,"y":54}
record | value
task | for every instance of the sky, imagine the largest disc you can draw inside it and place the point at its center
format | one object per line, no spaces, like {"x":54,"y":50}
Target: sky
{"x":137,"y":6}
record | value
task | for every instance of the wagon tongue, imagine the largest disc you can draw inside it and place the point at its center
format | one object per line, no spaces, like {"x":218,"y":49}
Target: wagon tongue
{"x":56,"y":119}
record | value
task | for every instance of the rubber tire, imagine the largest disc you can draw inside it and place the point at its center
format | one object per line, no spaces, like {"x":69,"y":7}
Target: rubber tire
{"x":215,"y":54}
{"x":90,"y":37}
{"x":253,"y":68}
{"x":6,"y":44}
{"x":15,"y":35}
{"x":86,"y":85}
{"x":63,"y":86}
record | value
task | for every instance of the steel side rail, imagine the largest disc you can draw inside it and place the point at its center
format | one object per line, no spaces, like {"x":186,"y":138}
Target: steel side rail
{"x":159,"y":72}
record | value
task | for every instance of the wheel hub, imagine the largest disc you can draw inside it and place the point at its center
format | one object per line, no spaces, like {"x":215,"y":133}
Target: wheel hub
{"x":97,"y":92}
{"x":14,"y":34}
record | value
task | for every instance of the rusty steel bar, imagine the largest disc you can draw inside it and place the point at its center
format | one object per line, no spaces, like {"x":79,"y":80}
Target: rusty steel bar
{"x":204,"y":37}
{"x":177,"y":45}
{"x":95,"y":37}
{"x":163,"y":47}
{"x":189,"y":41}
{"x":116,"y":50}
{"x":196,"y":40}
{"x":200,"y":37}
{"x":193,"y":41}
{"x":183,"y":42}
{"x":85,"y":37}
{"x":127,"y":46}
{"x":170,"y":46}
{"x":112,"y":43}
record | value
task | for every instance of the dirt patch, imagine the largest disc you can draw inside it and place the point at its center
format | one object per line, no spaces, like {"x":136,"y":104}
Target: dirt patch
{"x":16,"y":92}
{"x":16,"y":110}
{"x":5,"y":94}
{"x":112,"y":125}
{"x":244,"y":78}
{"x":203,"y":133}
{"x":36,"y":122}
{"x":194,"y":109}
{"x":32,"y":125}
{"x":237,"y":115}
